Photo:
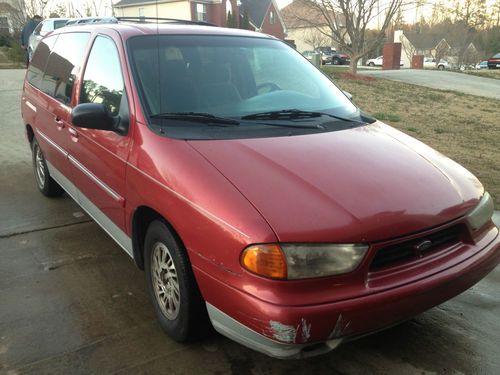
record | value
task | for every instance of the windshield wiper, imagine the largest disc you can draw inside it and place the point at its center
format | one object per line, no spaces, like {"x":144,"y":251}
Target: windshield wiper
{"x":206,"y":118}
{"x":292,"y":114}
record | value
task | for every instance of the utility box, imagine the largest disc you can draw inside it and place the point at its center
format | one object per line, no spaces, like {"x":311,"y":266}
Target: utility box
{"x":417,"y":62}
{"x":392,"y":56}
{"x":316,"y":59}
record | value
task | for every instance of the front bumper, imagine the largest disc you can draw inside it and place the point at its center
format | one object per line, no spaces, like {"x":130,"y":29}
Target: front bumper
{"x":303,"y":331}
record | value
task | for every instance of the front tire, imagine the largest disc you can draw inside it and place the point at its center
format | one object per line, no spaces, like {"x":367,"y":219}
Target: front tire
{"x":177,"y":301}
{"x":44,"y":182}
{"x":336,"y":61}
{"x":440,"y":67}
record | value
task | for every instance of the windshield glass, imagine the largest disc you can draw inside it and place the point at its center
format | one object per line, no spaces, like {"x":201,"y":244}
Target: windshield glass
{"x":229,"y":76}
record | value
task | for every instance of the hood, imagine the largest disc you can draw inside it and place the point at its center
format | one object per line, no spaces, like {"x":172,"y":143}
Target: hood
{"x":364,"y":184}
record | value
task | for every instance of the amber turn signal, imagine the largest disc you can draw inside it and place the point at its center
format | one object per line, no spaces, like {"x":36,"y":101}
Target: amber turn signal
{"x":265,"y":260}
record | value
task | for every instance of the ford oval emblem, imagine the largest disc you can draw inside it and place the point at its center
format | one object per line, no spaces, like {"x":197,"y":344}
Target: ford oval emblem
{"x":422,"y":246}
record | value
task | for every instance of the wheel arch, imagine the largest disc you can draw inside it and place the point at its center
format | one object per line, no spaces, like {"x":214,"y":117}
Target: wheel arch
{"x":30,"y":134}
{"x":141,"y":219}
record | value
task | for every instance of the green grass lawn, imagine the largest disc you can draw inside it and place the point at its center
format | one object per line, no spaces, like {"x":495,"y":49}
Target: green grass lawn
{"x":464,"y":127}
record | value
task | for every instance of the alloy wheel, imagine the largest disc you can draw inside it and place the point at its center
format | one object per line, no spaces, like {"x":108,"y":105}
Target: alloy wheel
{"x":165,"y":281}
{"x":39,"y":168}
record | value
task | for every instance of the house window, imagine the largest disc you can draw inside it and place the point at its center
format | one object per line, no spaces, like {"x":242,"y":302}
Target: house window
{"x":271,"y":17}
{"x":4,"y":25}
{"x":201,"y":12}
{"x":141,"y":12}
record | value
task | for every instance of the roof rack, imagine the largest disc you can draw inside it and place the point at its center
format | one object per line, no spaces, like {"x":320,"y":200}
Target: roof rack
{"x":90,"y":20}
{"x":165,"y":20}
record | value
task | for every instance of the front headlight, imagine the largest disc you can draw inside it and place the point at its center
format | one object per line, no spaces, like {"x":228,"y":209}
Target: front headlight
{"x":317,"y":260}
{"x":482,"y":213}
{"x":302,"y":261}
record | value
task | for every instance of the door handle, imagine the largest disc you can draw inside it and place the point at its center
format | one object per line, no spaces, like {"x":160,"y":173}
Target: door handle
{"x":59,"y":123}
{"x":73,"y":132}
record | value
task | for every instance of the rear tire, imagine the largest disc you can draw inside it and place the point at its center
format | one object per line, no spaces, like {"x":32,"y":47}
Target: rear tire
{"x":177,"y":301}
{"x":46,"y":184}
{"x":372,"y":64}
{"x":336,"y":61}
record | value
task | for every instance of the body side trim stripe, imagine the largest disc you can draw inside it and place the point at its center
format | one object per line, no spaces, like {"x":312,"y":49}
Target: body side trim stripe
{"x":120,"y":237}
{"x":30,"y":106}
{"x":81,"y":167}
{"x":52,"y":143}
{"x":101,"y":184}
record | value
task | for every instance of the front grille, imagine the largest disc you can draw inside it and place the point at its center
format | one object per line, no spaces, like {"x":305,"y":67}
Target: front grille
{"x":407,"y":251}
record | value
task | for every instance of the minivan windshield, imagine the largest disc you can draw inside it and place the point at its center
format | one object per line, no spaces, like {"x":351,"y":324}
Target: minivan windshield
{"x":230,"y":77}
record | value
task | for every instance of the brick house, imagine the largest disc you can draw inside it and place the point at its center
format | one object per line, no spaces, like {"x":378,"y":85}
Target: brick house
{"x":263,"y":15}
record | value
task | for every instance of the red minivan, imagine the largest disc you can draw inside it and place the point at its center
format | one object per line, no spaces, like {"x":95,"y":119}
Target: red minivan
{"x":256,"y":196}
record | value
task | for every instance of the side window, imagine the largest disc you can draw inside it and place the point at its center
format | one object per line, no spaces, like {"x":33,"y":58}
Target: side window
{"x":63,"y":65}
{"x":103,"y":81}
{"x":39,"y":61}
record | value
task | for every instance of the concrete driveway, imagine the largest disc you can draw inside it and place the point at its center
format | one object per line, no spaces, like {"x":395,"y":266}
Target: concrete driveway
{"x":442,"y":80}
{"x":72,"y":302}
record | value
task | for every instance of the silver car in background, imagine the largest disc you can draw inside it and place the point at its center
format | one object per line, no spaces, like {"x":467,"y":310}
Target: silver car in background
{"x":43,"y":28}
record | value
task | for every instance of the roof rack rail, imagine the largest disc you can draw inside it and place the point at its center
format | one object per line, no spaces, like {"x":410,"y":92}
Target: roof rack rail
{"x":166,"y":20}
{"x":90,"y":20}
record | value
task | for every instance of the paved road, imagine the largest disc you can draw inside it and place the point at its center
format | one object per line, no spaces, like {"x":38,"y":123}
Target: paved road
{"x":72,"y":302}
{"x":466,"y":83}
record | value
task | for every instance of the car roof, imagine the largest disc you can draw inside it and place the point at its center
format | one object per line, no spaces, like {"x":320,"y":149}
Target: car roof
{"x":56,"y":19}
{"x":130,"y":29}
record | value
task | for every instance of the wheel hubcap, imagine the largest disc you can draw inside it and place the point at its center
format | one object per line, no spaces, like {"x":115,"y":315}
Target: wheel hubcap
{"x":39,"y":168}
{"x":165,"y":281}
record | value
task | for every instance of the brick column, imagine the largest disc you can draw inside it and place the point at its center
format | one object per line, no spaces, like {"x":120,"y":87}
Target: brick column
{"x":417,"y":62}
{"x":392,"y":56}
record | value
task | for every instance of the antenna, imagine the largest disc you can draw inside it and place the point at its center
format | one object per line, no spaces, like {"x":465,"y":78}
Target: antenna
{"x":158,"y":55}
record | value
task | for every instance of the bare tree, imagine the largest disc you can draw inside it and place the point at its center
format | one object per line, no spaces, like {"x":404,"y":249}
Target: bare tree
{"x":316,"y":39}
{"x":35,"y":7}
{"x":408,"y":48}
{"x":495,"y":14}
{"x":441,"y":50}
{"x":346,"y":22}
{"x":471,"y":12}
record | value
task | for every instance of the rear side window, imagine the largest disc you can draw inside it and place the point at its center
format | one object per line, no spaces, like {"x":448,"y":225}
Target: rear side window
{"x":63,"y":65}
{"x":103,"y":81}
{"x":39,"y":61}
{"x":59,"y":23}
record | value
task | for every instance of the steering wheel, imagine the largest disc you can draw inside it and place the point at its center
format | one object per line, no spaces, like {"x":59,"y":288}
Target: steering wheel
{"x":272,"y":86}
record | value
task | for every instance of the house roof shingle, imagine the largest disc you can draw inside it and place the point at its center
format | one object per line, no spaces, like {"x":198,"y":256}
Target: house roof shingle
{"x":424,"y":40}
{"x":256,"y":10}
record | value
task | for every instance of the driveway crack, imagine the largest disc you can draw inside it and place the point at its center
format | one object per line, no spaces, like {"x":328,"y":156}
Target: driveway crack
{"x":9,"y":235}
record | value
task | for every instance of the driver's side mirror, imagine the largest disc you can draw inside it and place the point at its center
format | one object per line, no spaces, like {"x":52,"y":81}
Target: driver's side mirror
{"x":92,"y":116}
{"x":348,"y":94}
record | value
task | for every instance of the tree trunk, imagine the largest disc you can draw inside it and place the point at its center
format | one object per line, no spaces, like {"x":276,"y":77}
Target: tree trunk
{"x":354,"y":64}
